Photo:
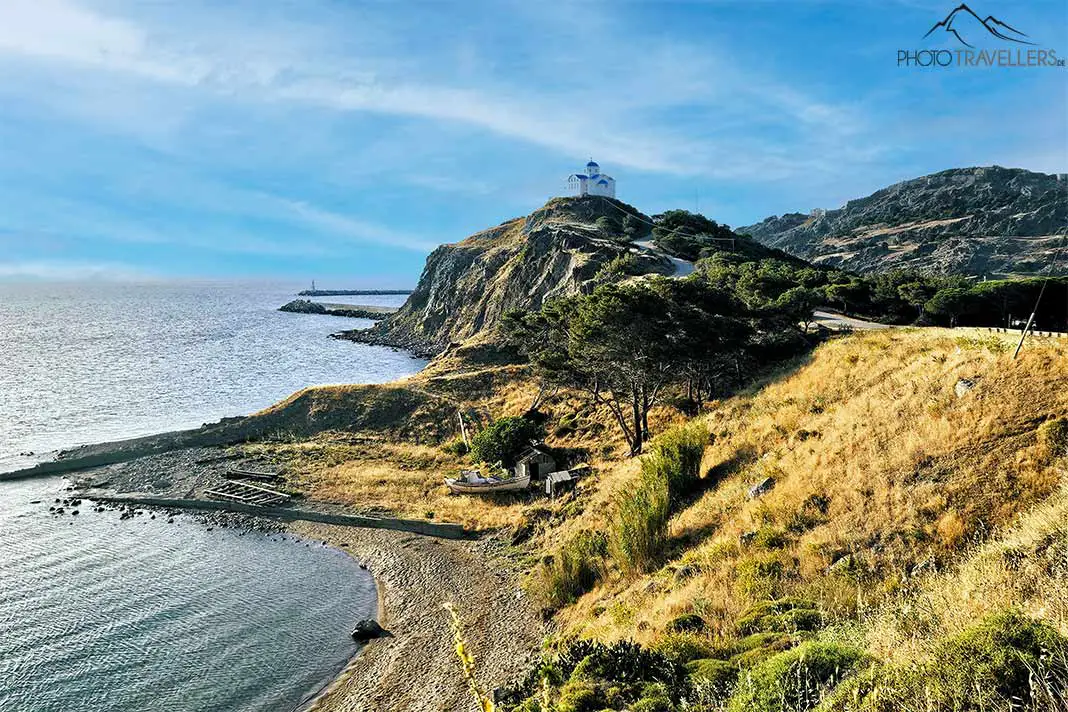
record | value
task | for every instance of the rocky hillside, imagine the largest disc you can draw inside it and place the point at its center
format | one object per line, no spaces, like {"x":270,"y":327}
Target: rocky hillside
{"x":466,"y":287}
{"x":977,"y":221}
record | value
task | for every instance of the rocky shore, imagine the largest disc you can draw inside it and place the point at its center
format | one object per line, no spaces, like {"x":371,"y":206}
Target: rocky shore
{"x":415,"y":669}
{"x":354,"y":311}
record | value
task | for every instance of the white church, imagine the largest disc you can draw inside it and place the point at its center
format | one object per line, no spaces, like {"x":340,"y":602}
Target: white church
{"x":592,"y":182}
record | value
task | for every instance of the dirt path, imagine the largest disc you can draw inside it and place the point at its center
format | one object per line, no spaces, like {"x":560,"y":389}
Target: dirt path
{"x":417,"y":670}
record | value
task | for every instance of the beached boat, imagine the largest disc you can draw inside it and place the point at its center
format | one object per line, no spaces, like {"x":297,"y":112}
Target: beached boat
{"x":472,"y":482}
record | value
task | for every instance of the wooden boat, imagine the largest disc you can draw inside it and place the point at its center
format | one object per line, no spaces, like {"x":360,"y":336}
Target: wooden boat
{"x":470,"y":482}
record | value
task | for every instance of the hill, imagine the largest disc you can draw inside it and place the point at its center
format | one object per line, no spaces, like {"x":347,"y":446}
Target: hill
{"x":989,"y":221}
{"x":561,"y":249}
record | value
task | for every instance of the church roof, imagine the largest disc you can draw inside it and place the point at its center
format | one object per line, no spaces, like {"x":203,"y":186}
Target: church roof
{"x":602,"y":182}
{"x":578,"y":175}
{"x":591,"y":163}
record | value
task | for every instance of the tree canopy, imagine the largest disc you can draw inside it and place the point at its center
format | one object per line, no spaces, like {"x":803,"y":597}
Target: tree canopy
{"x":624,"y":343}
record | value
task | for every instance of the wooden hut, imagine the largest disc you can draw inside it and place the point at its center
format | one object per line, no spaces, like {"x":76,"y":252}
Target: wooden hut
{"x":535,"y":461}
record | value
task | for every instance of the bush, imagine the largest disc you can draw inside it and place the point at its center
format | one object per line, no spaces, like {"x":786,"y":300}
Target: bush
{"x":795,"y":680}
{"x":687,"y":623}
{"x":588,"y":675}
{"x":683,"y":647}
{"x":456,"y":447}
{"x":640,"y":526}
{"x":1008,"y":661}
{"x":504,"y":440}
{"x":719,"y":674}
{"x":678,"y":454}
{"x":573,"y":570}
{"x":787,"y":615}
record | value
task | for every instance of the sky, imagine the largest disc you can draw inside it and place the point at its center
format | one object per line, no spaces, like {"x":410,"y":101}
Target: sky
{"x":342,"y":141}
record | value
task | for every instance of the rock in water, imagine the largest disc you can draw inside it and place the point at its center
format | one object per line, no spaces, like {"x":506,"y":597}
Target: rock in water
{"x":368,"y":629}
{"x":303,"y":306}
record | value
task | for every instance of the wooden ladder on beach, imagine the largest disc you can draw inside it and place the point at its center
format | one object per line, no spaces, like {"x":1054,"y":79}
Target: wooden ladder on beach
{"x":247,"y":493}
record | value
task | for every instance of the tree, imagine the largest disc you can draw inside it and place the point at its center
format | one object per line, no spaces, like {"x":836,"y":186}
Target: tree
{"x":798,"y":304}
{"x":915,"y":294}
{"x":504,"y":440}
{"x":949,"y":303}
{"x":852,"y":292}
{"x":623,"y":344}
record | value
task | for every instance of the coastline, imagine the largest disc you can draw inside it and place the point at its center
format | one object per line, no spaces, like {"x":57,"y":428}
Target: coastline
{"x":416,"y":669}
{"x":414,"y":574}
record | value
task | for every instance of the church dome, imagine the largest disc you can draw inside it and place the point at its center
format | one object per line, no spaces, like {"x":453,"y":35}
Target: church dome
{"x":592,"y":164}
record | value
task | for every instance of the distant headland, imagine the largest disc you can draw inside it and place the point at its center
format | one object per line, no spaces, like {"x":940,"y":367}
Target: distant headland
{"x":350,"y":292}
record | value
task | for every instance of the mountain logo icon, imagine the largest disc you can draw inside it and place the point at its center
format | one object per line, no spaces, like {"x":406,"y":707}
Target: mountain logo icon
{"x":962,"y":22}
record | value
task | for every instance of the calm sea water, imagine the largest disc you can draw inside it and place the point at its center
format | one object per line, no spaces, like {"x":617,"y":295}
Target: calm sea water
{"x":103,"y":615}
{"x":87,"y":363}
{"x":98,"y":614}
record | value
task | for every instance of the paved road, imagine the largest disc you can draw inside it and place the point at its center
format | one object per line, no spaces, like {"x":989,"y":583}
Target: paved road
{"x":682,"y":267}
{"x":834,"y":320}
{"x":828,"y":319}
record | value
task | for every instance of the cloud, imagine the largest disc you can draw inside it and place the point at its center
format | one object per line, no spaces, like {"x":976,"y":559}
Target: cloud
{"x":606,"y":114}
{"x":63,"y":270}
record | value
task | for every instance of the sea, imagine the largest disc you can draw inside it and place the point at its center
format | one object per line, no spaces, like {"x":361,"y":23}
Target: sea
{"x":100,"y":613}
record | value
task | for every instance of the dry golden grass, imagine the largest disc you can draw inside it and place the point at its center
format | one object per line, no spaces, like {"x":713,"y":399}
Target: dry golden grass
{"x":1025,"y":568}
{"x":879,"y":467}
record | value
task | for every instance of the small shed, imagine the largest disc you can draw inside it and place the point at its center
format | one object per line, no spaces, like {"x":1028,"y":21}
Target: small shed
{"x":535,"y":461}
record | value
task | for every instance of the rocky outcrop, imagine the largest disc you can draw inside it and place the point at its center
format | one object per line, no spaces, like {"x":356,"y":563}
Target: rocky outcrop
{"x":306,"y":306}
{"x":467,"y":287}
{"x":303,"y":306}
{"x":978,"y":221}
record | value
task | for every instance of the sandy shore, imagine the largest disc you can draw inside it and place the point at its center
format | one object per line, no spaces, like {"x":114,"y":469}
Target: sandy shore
{"x":416,"y":670}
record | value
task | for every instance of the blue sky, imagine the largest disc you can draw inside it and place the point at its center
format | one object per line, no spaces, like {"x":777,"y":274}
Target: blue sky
{"x":342,"y":141}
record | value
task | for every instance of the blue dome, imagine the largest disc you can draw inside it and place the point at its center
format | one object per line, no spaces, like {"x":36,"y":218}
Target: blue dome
{"x":591,"y":163}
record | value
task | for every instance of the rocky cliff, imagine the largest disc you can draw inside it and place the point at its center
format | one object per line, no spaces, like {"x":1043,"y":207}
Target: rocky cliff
{"x":466,"y":287}
{"x":978,"y":221}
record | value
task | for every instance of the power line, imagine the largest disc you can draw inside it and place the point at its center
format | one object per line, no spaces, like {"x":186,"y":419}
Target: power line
{"x":1045,"y":283}
{"x":653,"y":224}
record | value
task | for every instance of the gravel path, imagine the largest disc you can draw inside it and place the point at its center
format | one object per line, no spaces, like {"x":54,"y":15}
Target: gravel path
{"x":417,"y":669}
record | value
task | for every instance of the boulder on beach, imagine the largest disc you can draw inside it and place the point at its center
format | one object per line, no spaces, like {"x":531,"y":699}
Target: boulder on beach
{"x":368,"y":629}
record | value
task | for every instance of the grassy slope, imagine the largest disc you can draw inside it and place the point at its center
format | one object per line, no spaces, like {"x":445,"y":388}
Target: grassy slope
{"x":904,"y":511}
{"x":916,"y":480}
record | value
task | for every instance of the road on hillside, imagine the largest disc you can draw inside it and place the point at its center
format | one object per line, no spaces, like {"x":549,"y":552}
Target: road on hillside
{"x":828,"y":319}
{"x":682,"y":267}
{"x":834,"y":320}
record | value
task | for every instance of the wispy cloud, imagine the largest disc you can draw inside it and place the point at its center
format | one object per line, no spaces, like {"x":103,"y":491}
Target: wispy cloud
{"x":60,"y":270}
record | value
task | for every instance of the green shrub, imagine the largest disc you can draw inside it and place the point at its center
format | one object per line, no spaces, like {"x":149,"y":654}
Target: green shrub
{"x":456,"y":447}
{"x":786,"y":615}
{"x":687,"y":623}
{"x":640,"y":526}
{"x":795,"y":680}
{"x":587,"y":675}
{"x":580,"y":695}
{"x":574,"y":569}
{"x":655,"y":698}
{"x":683,"y":647}
{"x":504,"y":440}
{"x":678,"y":453}
{"x":709,"y":671}
{"x":1008,"y":661}
{"x":755,"y":649}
